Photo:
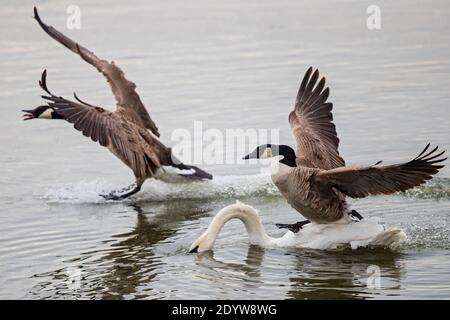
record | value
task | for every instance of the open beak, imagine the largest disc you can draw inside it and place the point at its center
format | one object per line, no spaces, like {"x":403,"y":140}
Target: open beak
{"x":28,"y":115}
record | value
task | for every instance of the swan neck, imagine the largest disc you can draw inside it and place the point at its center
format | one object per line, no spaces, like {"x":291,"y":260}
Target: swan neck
{"x":252,"y":222}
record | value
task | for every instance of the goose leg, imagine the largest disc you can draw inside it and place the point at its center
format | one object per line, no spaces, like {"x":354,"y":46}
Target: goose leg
{"x":123,"y":193}
{"x":356,"y":214}
{"x":295,"y":227}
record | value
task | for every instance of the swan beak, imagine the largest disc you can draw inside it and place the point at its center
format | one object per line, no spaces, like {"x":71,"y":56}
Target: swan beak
{"x":193,"y":250}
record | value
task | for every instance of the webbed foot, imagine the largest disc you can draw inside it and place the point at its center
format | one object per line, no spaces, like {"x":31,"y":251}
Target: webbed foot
{"x":356,"y":215}
{"x":120,"y":195}
{"x":295,"y":227}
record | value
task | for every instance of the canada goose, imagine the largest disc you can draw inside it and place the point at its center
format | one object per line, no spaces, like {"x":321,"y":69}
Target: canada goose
{"x":314,"y":236}
{"x":129,"y":132}
{"x":315,"y":180}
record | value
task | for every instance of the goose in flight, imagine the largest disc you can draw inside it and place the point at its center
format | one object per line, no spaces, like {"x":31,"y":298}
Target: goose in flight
{"x":129,"y":132}
{"x":314,"y":236}
{"x":315,"y":180}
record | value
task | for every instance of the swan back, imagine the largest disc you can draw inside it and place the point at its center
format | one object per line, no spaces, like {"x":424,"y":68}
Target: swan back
{"x":367,"y":232}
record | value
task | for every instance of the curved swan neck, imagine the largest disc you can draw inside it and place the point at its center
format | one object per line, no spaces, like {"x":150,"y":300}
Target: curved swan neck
{"x":248,"y":215}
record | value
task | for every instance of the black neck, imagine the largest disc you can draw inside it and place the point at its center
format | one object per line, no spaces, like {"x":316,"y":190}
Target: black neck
{"x":288,"y":154}
{"x":289,"y":159}
{"x":56,"y":115}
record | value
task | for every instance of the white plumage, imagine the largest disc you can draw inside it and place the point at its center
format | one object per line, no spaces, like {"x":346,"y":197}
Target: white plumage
{"x":368,"y":232}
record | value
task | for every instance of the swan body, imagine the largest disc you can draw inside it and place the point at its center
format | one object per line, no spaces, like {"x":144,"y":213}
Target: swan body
{"x":368,"y":232}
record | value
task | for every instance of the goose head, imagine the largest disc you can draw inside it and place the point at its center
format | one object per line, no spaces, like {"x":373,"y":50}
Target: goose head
{"x":264,"y":151}
{"x":41,"y":112}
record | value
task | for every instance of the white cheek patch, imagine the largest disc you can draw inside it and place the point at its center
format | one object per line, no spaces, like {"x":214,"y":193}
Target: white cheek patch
{"x":47,"y":114}
{"x":266,"y":154}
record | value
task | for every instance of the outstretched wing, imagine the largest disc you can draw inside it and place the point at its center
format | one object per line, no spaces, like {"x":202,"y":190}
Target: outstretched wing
{"x":135,"y":146}
{"x":374,"y":180}
{"x":128,"y":101}
{"x":312,"y":125}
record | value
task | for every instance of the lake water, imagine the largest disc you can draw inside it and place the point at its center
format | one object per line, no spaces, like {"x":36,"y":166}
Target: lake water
{"x":231,"y":64}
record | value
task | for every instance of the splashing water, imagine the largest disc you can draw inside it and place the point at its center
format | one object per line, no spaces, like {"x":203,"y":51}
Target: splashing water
{"x":220,"y":187}
{"x":155,"y":190}
{"x":79,"y":192}
{"x":438,"y":188}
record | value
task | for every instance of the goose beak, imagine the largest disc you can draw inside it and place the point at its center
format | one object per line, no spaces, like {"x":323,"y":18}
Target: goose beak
{"x":28,"y":115}
{"x":253,"y":155}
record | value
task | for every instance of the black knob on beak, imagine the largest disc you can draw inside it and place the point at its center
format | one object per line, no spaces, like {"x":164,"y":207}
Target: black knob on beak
{"x":194,"y":250}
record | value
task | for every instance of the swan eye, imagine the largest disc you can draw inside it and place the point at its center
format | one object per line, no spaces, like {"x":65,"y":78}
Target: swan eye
{"x":194,"y":250}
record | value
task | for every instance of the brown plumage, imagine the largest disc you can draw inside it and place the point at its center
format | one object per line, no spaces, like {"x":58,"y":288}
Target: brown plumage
{"x":129,"y":132}
{"x":317,"y":182}
{"x":129,"y":105}
{"x":359,"y":182}
{"x":312,"y":124}
{"x":138,"y":148}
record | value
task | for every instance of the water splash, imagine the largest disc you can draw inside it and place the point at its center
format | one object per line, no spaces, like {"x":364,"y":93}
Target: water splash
{"x":238,"y":186}
{"x":438,"y":188}
{"x":79,"y":192}
{"x":155,"y":190}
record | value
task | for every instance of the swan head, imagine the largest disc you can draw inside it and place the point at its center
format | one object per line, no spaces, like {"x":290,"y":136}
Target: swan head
{"x":203,"y":243}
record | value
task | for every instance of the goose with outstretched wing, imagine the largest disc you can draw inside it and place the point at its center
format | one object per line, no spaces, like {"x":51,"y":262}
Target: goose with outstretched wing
{"x":315,"y":180}
{"x":129,"y":132}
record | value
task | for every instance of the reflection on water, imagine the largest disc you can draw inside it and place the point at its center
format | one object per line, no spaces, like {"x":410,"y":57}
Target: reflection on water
{"x":343,"y":275}
{"x":129,"y":263}
{"x":309,"y":274}
{"x":151,"y":261}
{"x":249,"y":268}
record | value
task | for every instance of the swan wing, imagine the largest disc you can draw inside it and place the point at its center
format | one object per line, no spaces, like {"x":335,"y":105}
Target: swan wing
{"x":129,"y":104}
{"x":312,"y":125}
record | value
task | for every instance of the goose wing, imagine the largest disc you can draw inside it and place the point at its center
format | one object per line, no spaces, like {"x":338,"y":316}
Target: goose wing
{"x":363,"y":181}
{"x":129,"y":103}
{"x":312,"y":125}
{"x":136,"y":147}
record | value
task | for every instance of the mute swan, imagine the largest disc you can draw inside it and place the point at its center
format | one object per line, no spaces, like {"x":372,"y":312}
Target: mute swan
{"x":368,"y":232}
{"x":129,"y":132}
{"x":315,"y":179}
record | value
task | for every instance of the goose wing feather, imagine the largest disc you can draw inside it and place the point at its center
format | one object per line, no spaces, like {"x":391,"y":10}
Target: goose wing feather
{"x":135,"y":146}
{"x":359,"y":182}
{"x":312,"y":125}
{"x":129,"y":104}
